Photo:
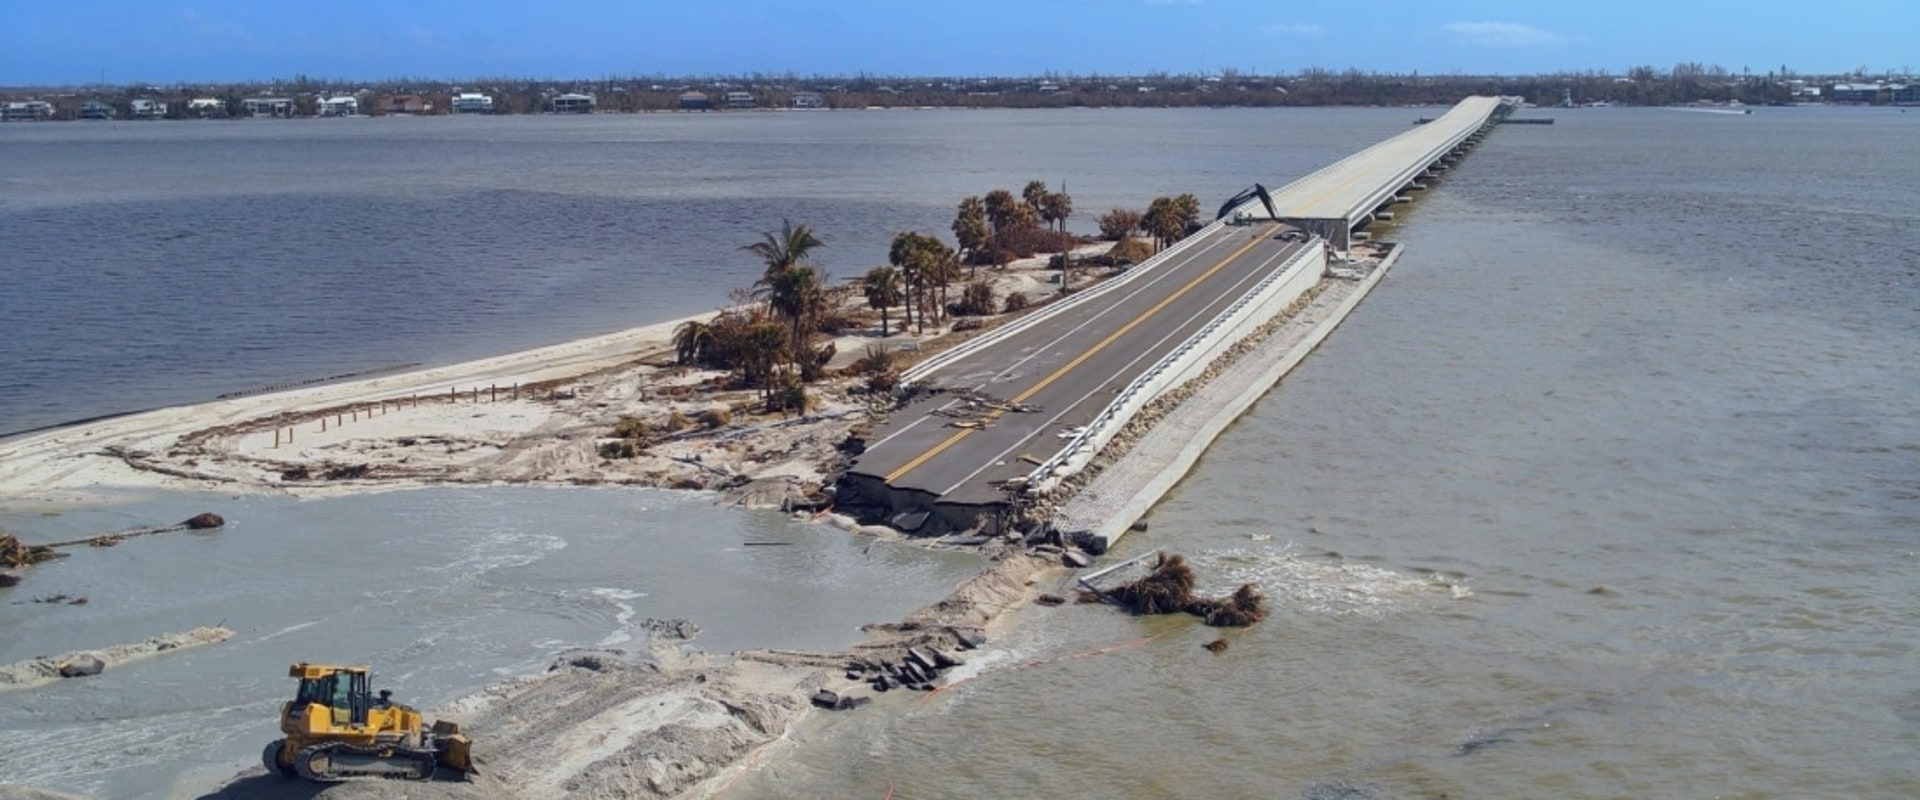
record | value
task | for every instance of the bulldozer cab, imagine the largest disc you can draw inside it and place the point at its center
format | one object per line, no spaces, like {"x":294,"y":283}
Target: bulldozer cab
{"x":345,"y":691}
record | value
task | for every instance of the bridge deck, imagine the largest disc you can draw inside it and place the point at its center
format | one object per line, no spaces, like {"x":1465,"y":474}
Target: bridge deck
{"x":1058,"y":375}
{"x":1352,"y":187}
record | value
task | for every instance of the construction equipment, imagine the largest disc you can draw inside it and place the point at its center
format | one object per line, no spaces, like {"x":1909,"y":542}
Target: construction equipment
{"x":337,"y":729}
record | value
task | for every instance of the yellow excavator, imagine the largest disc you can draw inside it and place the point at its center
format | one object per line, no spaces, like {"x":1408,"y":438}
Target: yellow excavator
{"x":337,"y":729}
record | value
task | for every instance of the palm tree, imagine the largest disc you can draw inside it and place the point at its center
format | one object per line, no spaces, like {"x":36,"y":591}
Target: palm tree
{"x":1035,"y":195}
{"x":796,"y":294}
{"x":1057,"y":208}
{"x":1000,"y":207}
{"x":690,"y":341}
{"x":784,"y":250}
{"x":970,"y":226}
{"x":882,"y":288}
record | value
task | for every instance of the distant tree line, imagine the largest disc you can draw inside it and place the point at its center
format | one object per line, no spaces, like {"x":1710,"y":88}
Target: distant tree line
{"x":1685,"y":82}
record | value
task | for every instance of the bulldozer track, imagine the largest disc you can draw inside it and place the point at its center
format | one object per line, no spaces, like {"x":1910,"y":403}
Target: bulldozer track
{"x":424,"y":762}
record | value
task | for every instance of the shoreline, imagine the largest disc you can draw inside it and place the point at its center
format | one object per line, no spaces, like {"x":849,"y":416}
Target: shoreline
{"x":722,"y":710}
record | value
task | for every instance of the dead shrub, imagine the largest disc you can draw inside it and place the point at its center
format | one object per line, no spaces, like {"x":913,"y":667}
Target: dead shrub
{"x":975,"y":301}
{"x":1016,"y":301}
{"x":1168,"y":589}
{"x":717,"y":417}
{"x":1130,"y":251}
{"x":631,"y":427}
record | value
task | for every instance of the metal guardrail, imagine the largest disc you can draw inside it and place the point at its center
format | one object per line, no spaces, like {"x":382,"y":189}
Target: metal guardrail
{"x":927,"y":368}
{"x":1142,"y":390}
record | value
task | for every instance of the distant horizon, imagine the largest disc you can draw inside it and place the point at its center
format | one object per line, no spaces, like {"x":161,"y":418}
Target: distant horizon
{"x":709,"y":79}
{"x":138,"y":42}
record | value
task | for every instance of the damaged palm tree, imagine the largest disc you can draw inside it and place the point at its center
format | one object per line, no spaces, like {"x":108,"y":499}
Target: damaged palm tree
{"x":1167,"y":588}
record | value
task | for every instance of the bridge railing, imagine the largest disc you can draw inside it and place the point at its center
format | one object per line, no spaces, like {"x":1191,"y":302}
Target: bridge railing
{"x":925,"y":369}
{"x":1250,"y":311}
{"x":1413,"y":168}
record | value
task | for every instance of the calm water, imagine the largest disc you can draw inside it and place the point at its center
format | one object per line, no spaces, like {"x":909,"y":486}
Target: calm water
{"x":1612,"y":490}
{"x":159,"y":264}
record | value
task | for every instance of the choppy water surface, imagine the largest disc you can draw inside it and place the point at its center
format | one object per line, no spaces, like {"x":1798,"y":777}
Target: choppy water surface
{"x":1611,"y":490}
{"x":440,"y":590}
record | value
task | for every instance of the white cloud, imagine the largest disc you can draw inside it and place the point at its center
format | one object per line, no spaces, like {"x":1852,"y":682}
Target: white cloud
{"x":1503,"y":34}
{"x":1301,"y":30}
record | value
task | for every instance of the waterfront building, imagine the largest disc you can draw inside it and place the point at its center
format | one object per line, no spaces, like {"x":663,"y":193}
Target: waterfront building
{"x":94,"y":109}
{"x":472,"y":103}
{"x":408,"y":104}
{"x":694,"y":101}
{"x":573,"y":103}
{"x":740,"y":100}
{"x":342,"y":106}
{"x":147,"y":109}
{"x":808,"y":100}
{"x":27,"y":111}
{"x":267,"y":107}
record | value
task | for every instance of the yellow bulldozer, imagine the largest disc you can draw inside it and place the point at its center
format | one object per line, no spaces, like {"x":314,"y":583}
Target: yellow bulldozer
{"x":337,"y":729}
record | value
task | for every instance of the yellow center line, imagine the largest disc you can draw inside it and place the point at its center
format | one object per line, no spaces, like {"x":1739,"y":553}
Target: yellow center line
{"x":1023,"y":396}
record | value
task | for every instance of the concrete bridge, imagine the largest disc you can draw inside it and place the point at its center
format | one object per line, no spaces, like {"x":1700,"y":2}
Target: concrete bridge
{"x":1031,"y":402}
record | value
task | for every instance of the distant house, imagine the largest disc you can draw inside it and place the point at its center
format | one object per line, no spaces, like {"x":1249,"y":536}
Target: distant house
{"x":147,"y":109}
{"x":1856,"y":92}
{"x":94,"y":109}
{"x":808,"y":100}
{"x":408,"y":104}
{"x":573,"y":103}
{"x":694,"y":101}
{"x":27,"y":111}
{"x":342,"y":106}
{"x":740,"y":100}
{"x":267,"y":107}
{"x":206,"y":107}
{"x":1904,"y":94}
{"x":472,"y":103}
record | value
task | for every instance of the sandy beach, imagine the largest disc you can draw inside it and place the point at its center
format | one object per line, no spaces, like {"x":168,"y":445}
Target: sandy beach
{"x":666,"y":721}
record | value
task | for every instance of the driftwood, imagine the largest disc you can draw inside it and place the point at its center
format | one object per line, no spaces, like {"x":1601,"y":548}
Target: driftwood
{"x":16,"y":554}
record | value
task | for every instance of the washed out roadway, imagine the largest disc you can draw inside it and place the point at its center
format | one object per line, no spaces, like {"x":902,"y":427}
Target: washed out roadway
{"x":1067,"y":369}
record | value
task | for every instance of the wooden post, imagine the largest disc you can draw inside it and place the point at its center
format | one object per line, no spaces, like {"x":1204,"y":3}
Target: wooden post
{"x":453,"y":394}
{"x":356,"y":413}
{"x":276,"y":437}
{"x":289,"y":434}
{"x":516,"y":390}
{"x":323,"y":424}
{"x":493,"y":393}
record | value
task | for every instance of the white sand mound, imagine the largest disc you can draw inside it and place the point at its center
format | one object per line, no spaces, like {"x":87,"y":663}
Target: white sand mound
{"x":46,"y":669}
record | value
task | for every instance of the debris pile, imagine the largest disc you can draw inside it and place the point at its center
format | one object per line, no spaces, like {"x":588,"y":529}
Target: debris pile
{"x":916,"y":670}
{"x":16,"y":554}
{"x":1168,"y":589}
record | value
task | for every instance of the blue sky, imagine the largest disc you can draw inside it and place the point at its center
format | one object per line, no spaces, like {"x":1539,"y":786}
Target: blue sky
{"x":165,"y":41}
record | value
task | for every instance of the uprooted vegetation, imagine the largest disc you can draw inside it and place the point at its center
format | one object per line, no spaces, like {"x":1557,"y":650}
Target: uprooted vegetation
{"x":1167,"y":588}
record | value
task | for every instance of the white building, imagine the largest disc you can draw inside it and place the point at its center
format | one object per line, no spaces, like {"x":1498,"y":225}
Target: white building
{"x":146,"y":109}
{"x":808,"y":100}
{"x":472,"y":103}
{"x":740,"y":100}
{"x":267,"y":107}
{"x":342,"y":106}
{"x":27,"y":111}
{"x":573,"y":103}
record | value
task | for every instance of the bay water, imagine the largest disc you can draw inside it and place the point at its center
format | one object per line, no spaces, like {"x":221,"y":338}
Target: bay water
{"x":1611,"y":489}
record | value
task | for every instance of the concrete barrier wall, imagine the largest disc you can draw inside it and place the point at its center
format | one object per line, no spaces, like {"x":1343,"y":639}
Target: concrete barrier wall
{"x":1256,"y":308}
{"x":1103,"y":513}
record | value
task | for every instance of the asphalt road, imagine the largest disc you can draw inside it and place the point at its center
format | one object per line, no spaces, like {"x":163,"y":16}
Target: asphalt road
{"x":1038,"y":386}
